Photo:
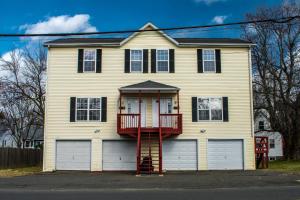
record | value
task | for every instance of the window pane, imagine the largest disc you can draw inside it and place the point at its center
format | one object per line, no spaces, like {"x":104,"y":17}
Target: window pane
{"x":203,"y":103}
{"x":94,"y":103}
{"x":94,"y":115}
{"x":89,"y":54}
{"x":216,"y":114}
{"x":215,"y":103}
{"x":136,"y":54}
{"x":81,"y":115}
{"x":209,"y":66}
{"x":136,"y":66}
{"x":162,"y":55}
{"x":89,"y":66}
{"x":208,"y":55}
{"x":162,"y":66}
{"x":82,"y":103}
{"x":203,"y":114}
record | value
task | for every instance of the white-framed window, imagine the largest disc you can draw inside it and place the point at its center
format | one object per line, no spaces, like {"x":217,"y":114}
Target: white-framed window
{"x":209,"y":60}
{"x":210,"y":109}
{"x":162,"y":60}
{"x":88,"y":109}
{"x":272,"y":143}
{"x":136,"y":60}
{"x":89,"y":60}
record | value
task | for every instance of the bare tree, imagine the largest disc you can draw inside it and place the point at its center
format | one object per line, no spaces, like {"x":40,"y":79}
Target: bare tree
{"x":23,"y":79}
{"x":276,"y":60}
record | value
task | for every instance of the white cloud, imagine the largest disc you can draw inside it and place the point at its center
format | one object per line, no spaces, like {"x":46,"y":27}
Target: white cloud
{"x":209,"y":2}
{"x":60,"y":24}
{"x":219,"y":19}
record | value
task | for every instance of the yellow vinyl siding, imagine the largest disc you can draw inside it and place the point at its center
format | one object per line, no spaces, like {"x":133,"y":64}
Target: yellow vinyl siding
{"x":64,"y":82}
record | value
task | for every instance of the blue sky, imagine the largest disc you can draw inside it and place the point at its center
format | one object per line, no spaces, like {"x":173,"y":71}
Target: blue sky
{"x":36,"y":16}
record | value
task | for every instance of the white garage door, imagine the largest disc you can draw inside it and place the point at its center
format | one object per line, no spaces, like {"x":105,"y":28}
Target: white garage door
{"x":225,"y":154}
{"x":119,"y":155}
{"x":73,"y":155}
{"x":179,"y":155}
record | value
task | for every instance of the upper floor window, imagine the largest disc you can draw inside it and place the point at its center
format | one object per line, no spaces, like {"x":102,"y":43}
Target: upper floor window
{"x":136,"y":60}
{"x":89,"y":60}
{"x":210,"y":109}
{"x":209,"y":60}
{"x":162,"y":59}
{"x":88,"y":109}
{"x":261,"y":125}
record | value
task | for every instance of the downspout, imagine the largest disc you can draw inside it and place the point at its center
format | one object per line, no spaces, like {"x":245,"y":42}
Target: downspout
{"x":251,"y":91}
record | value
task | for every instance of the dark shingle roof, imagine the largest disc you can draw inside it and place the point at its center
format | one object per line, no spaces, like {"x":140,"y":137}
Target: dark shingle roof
{"x":211,"y":40}
{"x":149,"y":85}
{"x":85,"y":40}
{"x":117,"y":41}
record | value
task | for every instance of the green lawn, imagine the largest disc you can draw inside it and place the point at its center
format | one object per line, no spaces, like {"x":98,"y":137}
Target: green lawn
{"x":285,"y":166}
{"x":19,"y":171}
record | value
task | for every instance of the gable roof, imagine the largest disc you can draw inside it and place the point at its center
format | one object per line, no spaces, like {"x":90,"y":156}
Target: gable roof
{"x":184,"y":42}
{"x":149,"y":85}
{"x":146,"y":27}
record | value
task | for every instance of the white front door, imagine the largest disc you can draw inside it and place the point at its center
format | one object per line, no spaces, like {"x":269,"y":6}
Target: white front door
{"x":165,"y":108}
{"x":133,"y":108}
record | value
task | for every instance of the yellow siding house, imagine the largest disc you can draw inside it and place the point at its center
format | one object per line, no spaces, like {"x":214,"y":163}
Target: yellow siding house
{"x":149,"y":103}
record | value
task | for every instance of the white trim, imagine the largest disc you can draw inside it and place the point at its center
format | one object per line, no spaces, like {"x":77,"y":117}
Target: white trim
{"x":88,"y":109}
{"x":209,"y":109}
{"x":142,"y":61}
{"x":209,"y":60}
{"x":156,"y":60}
{"x":83,"y":60}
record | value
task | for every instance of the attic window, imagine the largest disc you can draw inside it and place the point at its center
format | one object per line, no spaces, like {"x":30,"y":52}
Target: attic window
{"x":261,"y":125}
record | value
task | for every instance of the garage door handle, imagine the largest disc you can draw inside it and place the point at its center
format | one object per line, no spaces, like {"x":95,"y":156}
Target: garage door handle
{"x":120,"y":158}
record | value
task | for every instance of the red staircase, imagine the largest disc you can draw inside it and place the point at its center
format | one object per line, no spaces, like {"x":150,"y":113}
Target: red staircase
{"x":149,"y":153}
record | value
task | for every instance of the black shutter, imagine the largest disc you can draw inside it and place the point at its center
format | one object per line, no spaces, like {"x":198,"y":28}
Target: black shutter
{"x":145,"y":61}
{"x":80,"y":61}
{"x":200,"y":60}
{"x":99,"y":61}
{"x":72,"y":109}
{"x":153,"y":60}
{"x":225,"y":109}
{"x":127,"y":60}
{"x":103,"y":109}
{"x":172,"y":62}
{"x":194,"y":109}
{"x":218,"y":60}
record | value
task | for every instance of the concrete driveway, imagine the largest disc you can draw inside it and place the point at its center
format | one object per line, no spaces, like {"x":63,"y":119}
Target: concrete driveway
{"x":185,"y":185}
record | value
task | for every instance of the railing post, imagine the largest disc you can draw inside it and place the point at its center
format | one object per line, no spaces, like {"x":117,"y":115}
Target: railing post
{"x":138,"y":171}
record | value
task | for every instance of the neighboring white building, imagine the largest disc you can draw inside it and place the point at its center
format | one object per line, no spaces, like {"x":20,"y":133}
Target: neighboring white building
{"x":275,"y":139}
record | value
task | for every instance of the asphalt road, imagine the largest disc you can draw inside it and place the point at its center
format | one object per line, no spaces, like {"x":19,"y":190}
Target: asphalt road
{"x":257,"y":193}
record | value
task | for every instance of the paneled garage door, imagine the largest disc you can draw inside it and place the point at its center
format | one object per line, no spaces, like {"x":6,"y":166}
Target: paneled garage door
{"x":73,"y":155}
{"x":179,"y":155}
{"x":225,"y":154}
{"x":119,"y":155}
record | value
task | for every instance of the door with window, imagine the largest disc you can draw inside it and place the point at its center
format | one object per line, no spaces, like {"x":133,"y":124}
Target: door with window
{"x":133,"y":108}
{"x":165,"y":108}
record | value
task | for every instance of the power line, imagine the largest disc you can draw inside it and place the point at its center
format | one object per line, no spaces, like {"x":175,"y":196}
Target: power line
{"x":278,"y":20}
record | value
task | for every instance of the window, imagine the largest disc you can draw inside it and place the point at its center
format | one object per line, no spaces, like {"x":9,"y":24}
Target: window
{"x":272,"y":143}
{"x":136,"y":60}
{"x":88,"y":109}
{"x":162,"y":60}
{"x":261,"y":125}
{"x":209,"y":60}
{"x":210,"y":109}
{"x":89,"y":61}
